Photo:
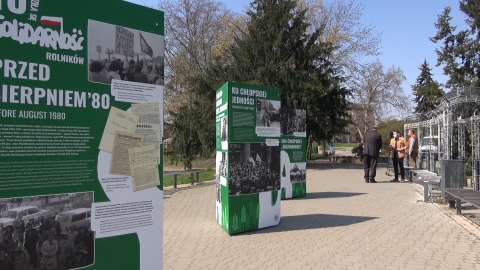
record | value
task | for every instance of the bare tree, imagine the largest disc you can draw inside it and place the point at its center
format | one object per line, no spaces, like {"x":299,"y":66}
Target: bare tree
{"x":194,"y":36}
{"x":377,"y":95}
{"x":341,"y":23}
{"x":353,"y":42}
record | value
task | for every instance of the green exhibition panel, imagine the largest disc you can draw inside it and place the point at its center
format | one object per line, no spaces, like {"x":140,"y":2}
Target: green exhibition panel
{"x":248,"y":157}
{"x":293,"y":153}
{"x":81,"y":131}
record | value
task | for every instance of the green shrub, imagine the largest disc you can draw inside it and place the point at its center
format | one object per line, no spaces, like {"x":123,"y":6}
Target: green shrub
{"x":357,"y":150}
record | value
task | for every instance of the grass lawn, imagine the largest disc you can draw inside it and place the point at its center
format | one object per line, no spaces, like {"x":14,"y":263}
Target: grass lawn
{"x":317,"y":156}
{"x":345,"y":145}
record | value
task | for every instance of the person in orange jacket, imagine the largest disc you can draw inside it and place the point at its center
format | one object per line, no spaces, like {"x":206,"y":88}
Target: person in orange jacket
{"x":412,"y":146}
{"x":398,"y":145}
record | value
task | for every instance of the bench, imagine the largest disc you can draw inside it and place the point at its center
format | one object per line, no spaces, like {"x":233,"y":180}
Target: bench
{"x":424,"y":177}
{"x":466,"y":195}
{"x":408,"y":170}
{"x":331,"y":156}
{"x":194,"y":175}
{"x":345,"y":159}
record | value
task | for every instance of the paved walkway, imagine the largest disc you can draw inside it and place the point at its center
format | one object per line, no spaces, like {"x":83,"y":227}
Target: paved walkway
{"x":342,"y":223}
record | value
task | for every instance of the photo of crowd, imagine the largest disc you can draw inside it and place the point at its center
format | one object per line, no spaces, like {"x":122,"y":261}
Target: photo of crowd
{"x":46,"y":232}
{"x":268,"y":113}
{"x":119,"y":53}
{"x":142,"y":71}
{"x":293,"y":121}
{"x":298,"y":173}
{"x":254,"y":168}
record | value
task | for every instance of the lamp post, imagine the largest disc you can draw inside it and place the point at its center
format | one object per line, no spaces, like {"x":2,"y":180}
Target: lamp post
{"x":109,"y":52}
{"x":99,"y":50}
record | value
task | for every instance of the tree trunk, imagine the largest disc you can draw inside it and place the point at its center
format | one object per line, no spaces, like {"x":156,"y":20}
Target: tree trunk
{"x":324,"y":147}
{"x":359,"y":132}
{"x":309,"y":148}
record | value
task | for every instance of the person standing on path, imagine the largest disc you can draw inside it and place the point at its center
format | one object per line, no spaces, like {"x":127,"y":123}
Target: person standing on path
{"x":371,"y":151}
{"x":398,"y":145}
{"x":412,"y":147}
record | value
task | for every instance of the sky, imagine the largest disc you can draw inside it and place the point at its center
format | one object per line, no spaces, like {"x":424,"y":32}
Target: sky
{"x":405,"y":27}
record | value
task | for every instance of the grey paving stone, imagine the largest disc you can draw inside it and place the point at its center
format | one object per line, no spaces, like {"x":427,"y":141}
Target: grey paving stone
{"x":342,"y":223}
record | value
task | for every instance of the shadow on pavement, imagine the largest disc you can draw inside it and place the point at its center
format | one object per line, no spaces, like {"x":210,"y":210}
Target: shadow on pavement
{"x":167,"y":191}
{"x":327,"y":195}
{"x":326,"y":165}
{"x":313,"y":221}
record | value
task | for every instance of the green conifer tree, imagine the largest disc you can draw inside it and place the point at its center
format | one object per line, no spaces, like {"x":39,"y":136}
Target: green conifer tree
{"x":460,"y":51}
{"x":426,"y":90}
{"x":280,"y":48}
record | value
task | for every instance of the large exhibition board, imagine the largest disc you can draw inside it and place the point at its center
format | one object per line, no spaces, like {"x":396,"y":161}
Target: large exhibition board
{"x":81,"y":130}
{"x":293,"y":153}
{"x":248,"y":157}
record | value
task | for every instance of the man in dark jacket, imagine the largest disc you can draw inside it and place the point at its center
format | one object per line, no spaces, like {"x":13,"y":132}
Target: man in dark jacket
{"x":31,"y":240}
{"x":371,"y":151}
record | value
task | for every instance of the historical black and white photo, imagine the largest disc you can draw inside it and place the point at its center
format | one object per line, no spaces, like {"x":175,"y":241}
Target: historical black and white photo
{"x":293,"y":121}
{"x":217,"y":183}
{"x":224,"y":128}
{"x":298,"y":173}
{"x":222,"y":171}
{"x":54,"y":230}
{"x":254,"y":167}
{"x":224,"y":164}
{"x":121,"y":53}
{"x":268,"y":113}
